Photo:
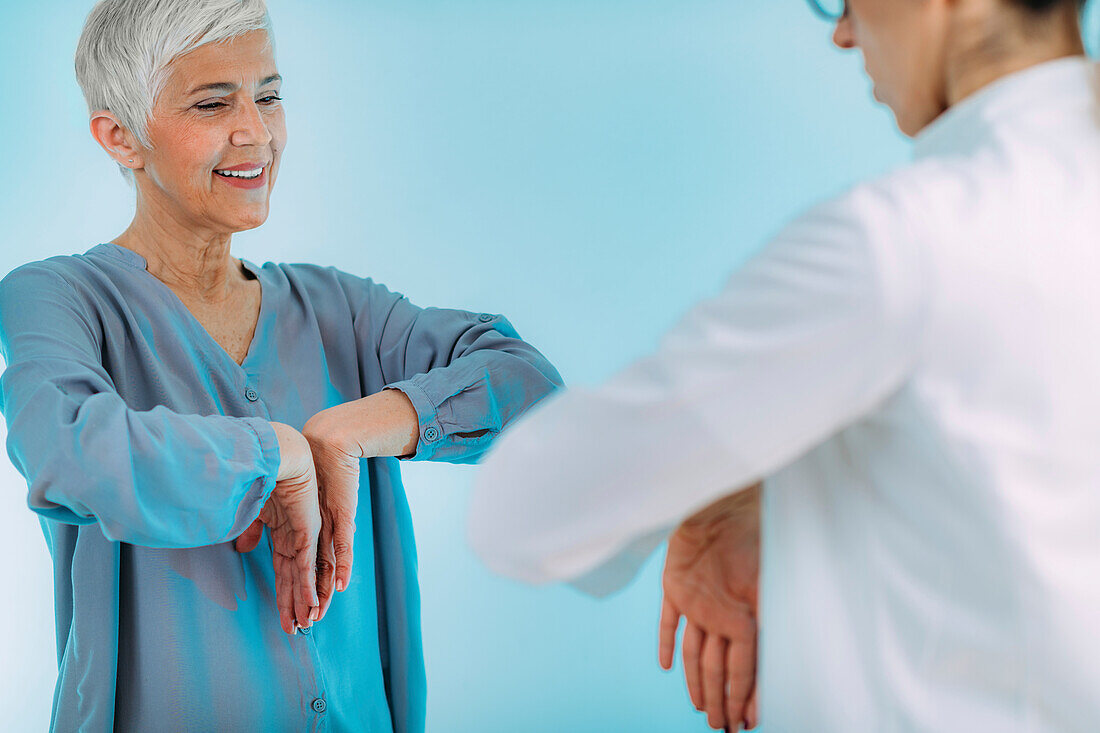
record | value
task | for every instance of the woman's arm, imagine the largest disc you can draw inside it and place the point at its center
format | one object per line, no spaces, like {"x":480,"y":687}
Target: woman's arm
{"x":453,"y":380}
{"x":466,"y":375}
{"x":155,"y":478}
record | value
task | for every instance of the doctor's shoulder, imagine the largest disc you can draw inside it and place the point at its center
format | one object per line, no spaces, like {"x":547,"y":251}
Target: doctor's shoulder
{"x":898,"y":218}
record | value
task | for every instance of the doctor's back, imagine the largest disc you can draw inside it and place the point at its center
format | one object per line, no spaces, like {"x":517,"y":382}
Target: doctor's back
{"x":937,"y":561}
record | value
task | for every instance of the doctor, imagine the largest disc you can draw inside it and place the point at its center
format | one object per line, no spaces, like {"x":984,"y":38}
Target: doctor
{"x":910,"y":369}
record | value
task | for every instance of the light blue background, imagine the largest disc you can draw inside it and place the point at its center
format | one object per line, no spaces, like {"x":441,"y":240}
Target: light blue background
{"x":587,"y":167}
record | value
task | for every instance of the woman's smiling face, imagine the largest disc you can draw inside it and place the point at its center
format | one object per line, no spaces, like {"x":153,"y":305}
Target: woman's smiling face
{"x":217,"y":132}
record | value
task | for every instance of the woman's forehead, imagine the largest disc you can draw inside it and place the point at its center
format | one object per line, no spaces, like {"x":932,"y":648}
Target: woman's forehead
{"x":247,"y":61}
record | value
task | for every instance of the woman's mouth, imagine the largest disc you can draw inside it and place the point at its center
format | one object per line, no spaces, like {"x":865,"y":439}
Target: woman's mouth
{"x":248,"y":176}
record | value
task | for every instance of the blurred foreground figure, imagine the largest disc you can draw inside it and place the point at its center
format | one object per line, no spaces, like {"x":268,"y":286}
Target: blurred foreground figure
{"x":910,"y":370}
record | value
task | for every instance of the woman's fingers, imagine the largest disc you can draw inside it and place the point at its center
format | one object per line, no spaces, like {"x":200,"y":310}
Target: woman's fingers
{"x":713,"y":674}
{"x":305,"y":563}
{"x":301,"y":608}
{"x":294,"y":524}
{"x":294,"y":532}
{"x":284,"y":593}
{"x":296,"y":592}
{"x":326,"y":567}
{"x":343,"y":542}
{"x":339,"y":475}
{"x":670,"y":622}
{"x":691,"y":648}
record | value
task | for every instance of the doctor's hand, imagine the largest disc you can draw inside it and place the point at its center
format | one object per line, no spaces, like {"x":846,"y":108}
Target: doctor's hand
{"x":293,"y":520}
{"x":711,"y":578}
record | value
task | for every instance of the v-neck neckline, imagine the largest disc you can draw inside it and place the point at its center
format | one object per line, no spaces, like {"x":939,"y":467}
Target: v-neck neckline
{"x":138,"y":262}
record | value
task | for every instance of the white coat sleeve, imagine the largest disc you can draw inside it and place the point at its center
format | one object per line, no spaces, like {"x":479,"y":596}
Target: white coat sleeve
{"x":809,"y":335}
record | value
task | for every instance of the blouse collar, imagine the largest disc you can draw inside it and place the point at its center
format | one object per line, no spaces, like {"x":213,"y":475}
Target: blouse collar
{"x":118,"y":252}
{"x":133,"y":259}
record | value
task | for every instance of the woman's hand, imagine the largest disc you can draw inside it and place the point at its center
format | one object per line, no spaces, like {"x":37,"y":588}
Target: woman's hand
{"x":337,"y":461}
{"x":383,"y":424}
{"x":325,"y":457}
{"x":711,"y":578}
{"x":293,"y":519}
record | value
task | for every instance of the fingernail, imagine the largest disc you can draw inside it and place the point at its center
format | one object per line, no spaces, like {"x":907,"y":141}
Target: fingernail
{"x":293,"y":633}
{"x":314,"y":613}
{"x":339,"y":585}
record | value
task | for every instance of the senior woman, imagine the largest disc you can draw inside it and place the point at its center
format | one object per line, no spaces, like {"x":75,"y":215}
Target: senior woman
{"x":164,"y":398}
{"x":912,"y":369}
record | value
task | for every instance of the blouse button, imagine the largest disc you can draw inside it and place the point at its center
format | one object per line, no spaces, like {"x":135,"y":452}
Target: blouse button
{"x":430,"y":434}
{"x":251,"y":394}
{"x":318,"y":705}
{"x":485,"y":318}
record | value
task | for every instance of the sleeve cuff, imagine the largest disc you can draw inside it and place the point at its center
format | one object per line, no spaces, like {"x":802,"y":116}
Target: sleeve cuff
{"x":427,"y":414}
{"x":268,"y":467}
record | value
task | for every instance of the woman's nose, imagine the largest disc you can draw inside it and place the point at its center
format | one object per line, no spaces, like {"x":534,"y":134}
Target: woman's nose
{"x":842,"y":34}
{"x":251,"y":128}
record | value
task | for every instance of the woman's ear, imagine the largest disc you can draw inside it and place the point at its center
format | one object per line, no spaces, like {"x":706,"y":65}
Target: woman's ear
{"x":118,"y":141}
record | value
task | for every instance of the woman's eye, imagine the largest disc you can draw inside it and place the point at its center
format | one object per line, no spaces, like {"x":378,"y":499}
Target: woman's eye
{"x":210,"y":106}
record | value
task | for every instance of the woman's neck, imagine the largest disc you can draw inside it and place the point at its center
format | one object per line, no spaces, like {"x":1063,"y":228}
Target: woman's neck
{"x":196,"y":265}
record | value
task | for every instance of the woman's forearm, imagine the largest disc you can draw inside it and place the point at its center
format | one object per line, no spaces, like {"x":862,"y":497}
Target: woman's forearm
{"x":381,"y":424}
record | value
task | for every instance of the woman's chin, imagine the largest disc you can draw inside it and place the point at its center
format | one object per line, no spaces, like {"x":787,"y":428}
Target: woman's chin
{"x":244,"y":221}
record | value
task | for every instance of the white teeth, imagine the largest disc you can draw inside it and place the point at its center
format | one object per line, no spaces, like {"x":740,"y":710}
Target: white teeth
{"x":241,"y":174}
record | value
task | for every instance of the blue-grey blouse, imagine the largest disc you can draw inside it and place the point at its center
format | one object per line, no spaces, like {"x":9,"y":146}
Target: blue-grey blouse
{"x":147,"y":449}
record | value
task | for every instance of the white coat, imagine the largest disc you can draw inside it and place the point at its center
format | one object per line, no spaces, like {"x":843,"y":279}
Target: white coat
{"x":914,"y":369}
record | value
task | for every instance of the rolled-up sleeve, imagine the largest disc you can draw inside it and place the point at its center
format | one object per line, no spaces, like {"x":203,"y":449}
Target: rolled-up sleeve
{"x":155,"y":478}
{"x":468,"y":375}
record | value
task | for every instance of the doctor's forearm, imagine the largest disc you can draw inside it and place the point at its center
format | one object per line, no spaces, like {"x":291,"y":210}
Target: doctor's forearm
{"x":740,"y":505}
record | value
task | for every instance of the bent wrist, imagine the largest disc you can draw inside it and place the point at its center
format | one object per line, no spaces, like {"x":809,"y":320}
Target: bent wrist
{"x":293,"y":450}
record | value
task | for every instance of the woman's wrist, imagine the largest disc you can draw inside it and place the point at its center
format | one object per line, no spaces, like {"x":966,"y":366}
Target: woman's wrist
{"x":293,"y":449}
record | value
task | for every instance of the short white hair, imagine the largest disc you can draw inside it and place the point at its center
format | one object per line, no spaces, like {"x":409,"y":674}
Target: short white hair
{"x":124,"y":51}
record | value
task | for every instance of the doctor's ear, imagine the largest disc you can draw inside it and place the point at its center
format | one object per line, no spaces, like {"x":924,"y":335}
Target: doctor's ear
{"x":116,"y":139}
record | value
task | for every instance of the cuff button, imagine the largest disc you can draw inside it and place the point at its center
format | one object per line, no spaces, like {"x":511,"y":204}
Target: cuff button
{"x":430,"y":434}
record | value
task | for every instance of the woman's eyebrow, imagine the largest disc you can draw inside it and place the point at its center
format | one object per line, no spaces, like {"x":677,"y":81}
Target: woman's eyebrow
{"x":227,"y":86}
